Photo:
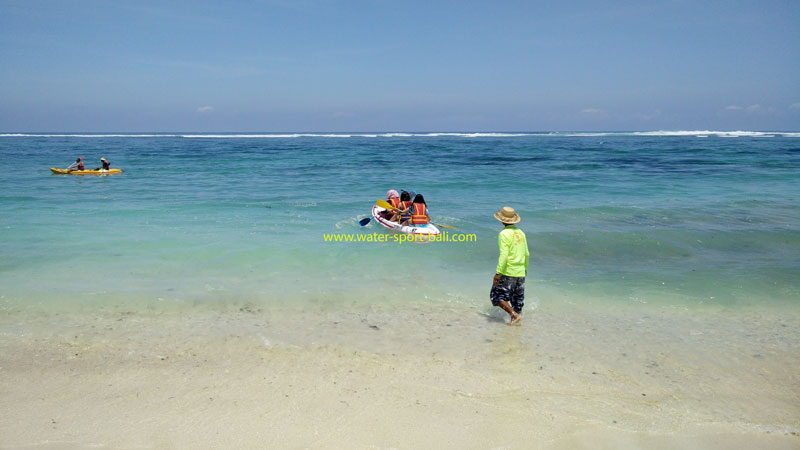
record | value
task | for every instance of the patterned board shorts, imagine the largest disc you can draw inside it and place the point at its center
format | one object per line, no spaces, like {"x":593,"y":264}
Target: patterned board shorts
{"x":511,"y":290}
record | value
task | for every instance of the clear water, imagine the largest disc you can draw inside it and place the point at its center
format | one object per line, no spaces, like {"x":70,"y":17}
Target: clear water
{"x":686,"y":218}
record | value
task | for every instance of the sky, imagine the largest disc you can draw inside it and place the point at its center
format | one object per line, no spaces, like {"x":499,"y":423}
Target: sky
{"x":379,"y":65}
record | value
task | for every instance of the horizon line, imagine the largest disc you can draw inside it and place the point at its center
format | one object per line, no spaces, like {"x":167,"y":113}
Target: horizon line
{"x":278,"y":134}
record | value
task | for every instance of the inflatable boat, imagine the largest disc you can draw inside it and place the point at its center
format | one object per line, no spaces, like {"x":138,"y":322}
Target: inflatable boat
{"x":421,"y":234}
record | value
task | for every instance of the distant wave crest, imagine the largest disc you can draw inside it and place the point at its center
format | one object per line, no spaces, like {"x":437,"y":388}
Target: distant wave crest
{"x":473,"y":135}
{"x":76,"y":135}
{"x":687,"y":133}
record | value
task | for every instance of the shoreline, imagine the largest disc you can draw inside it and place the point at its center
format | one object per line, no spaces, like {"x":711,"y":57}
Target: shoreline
{"x":385,"y":377}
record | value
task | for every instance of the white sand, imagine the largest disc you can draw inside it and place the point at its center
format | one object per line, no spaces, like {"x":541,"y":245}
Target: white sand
{"x":380,"y":378}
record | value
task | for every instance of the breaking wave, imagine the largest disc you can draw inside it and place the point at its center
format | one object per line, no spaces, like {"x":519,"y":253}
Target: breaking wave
{"x":471,"y":135}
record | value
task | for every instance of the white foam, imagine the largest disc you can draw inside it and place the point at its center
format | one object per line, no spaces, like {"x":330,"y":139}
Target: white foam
{"x":681,"y":133}
{"x":357,"y":135}
{"x":90,"y":135}
{"x":706,"y":133}
{"x":262,"y":136}
{"x":471,"y":135}
{"x":475,"y":135}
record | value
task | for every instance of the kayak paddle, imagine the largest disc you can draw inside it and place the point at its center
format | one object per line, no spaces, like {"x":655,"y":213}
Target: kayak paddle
{"x":384,"y":204}
{"x":363,"y":222}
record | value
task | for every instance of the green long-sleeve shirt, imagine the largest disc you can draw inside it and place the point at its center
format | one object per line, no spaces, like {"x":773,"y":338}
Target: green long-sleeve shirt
{"x":513,"y":261}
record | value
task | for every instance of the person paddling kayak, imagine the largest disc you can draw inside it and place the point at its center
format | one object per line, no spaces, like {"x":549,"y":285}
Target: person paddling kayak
{"x":77,"y":165}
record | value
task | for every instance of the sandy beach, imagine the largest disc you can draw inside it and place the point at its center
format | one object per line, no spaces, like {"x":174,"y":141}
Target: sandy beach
{"x":382,"y":378}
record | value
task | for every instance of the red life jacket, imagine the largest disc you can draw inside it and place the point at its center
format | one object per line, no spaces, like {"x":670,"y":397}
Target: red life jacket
{"x":419,"y":216}
{"x":394,"y":201}
{"x":403,"y":206}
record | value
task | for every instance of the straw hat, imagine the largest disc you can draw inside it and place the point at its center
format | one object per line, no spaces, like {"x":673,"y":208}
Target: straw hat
{"x":103,"y":159}
{"x":507,"y":215}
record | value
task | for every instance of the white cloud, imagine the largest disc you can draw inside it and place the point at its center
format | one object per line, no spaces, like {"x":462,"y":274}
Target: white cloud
{"x":750,"y":109}
{"x":205,"y":109}
{"x":591,"y":111}
{"x":795,"y":105}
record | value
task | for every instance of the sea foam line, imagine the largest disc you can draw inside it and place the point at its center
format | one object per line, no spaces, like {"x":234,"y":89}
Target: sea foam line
{"x":262,"y":136}
{"x":273,"y":135}
{"x":472,"y":135}
{"x":89,"y":135}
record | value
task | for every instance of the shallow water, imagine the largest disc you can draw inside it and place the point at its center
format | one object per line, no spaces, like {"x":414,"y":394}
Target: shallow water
{"x":643,"y":218}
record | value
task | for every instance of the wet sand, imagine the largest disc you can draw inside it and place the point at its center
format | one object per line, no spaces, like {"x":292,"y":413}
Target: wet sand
{"x":425,"y":376}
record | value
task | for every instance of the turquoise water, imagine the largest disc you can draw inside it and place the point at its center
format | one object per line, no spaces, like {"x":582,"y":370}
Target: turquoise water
{"x":691,"y":218}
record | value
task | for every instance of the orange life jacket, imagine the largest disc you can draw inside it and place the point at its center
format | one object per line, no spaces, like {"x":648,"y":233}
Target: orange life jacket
{"x":419,"y":216}
{"x":394,"y":201}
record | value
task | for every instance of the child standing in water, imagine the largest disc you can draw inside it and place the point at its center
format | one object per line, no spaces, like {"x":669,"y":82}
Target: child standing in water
{"x":508,"y":286}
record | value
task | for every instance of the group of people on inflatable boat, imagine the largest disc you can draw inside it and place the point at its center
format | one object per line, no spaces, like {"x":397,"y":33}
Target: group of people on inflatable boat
{"x":413,"y":212}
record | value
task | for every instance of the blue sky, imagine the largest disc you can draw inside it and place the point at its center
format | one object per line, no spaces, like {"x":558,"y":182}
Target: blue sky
{"x":317,"y":65}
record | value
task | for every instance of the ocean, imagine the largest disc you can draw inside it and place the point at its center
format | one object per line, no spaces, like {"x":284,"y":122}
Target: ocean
{"x":193,"y":301}
{"x":685,"y":218}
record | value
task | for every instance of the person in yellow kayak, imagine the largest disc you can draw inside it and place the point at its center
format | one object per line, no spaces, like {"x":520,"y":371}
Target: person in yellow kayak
{"x":508,"y":286}
{"x":77,"y":165}
{"x":106,"y":164}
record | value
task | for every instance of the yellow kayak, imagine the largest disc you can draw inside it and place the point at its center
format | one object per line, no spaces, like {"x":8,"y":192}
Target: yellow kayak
{"x":85,"y":172}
